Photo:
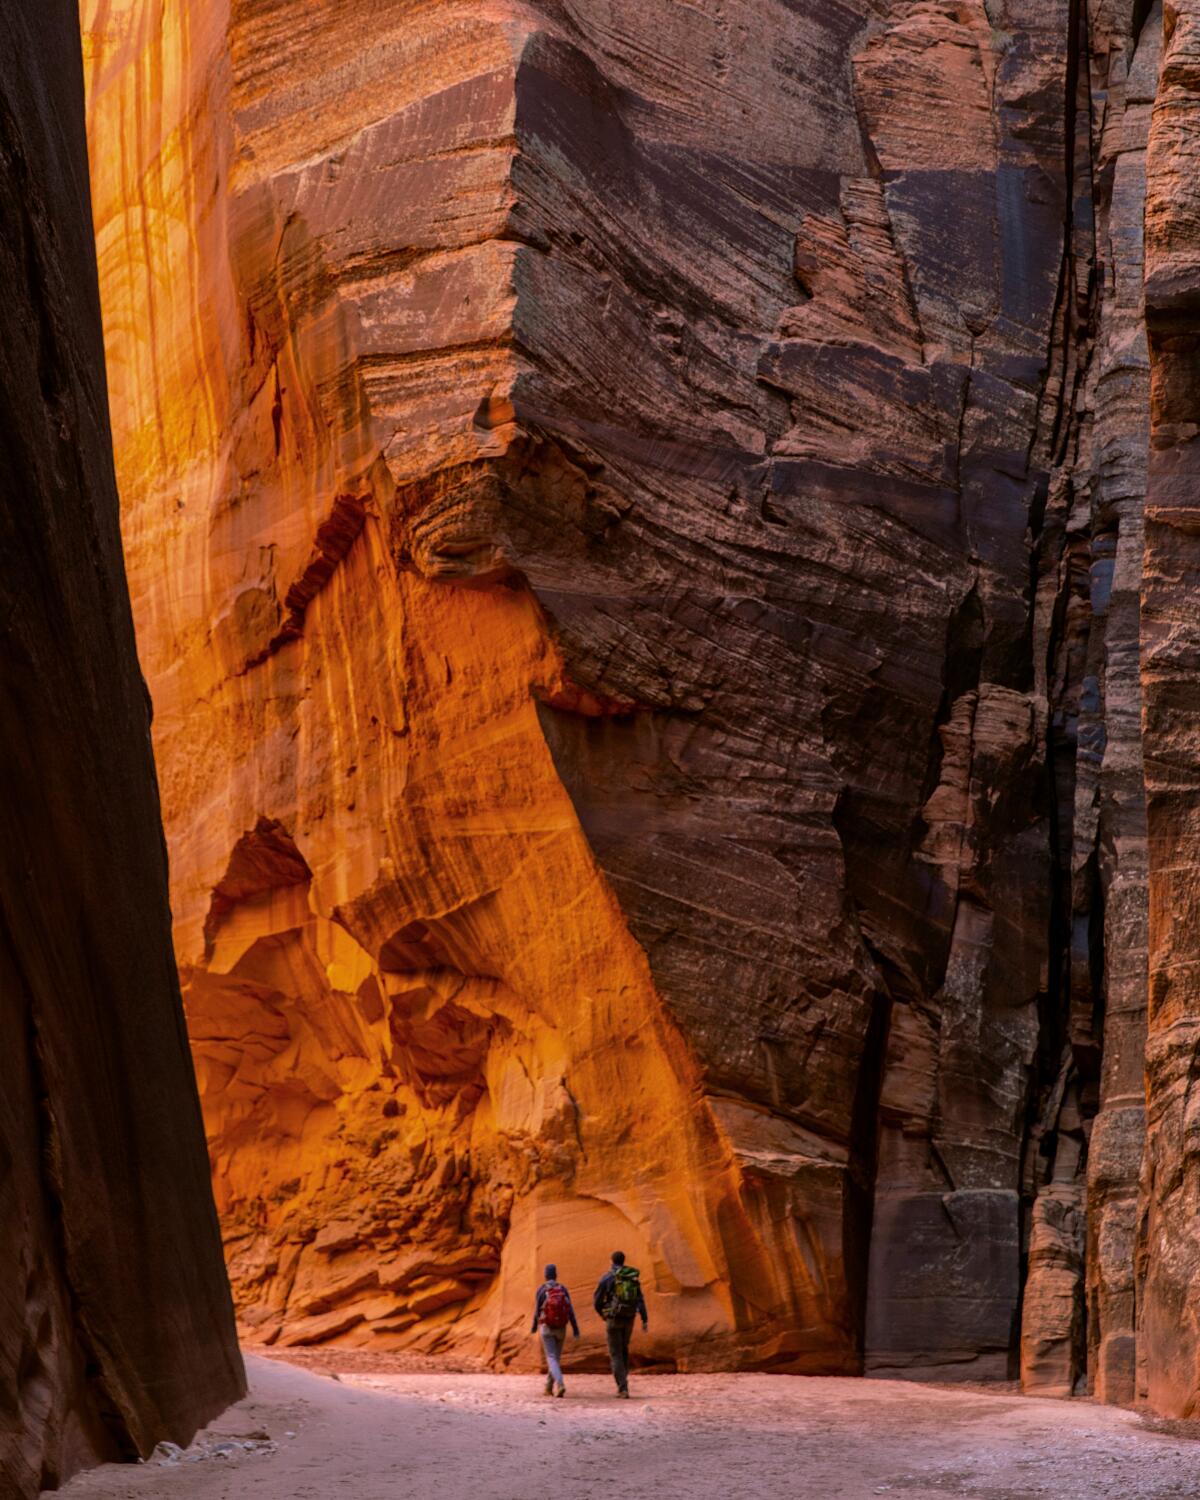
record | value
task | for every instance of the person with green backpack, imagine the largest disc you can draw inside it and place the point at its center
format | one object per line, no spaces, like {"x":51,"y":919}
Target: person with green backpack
{"x":619,"y":1301}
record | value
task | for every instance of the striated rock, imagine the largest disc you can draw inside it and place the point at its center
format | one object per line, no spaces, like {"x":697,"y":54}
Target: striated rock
{"x":1052,"y":1323}
{"x":518,"y":469}
{"x":1170,"y":638}
{"x":117,"y":1329}
{"x":1115,"y":876}
{"x":418,"y":1013}
{"x":635,"y":520}
{"x":1090,"y":576}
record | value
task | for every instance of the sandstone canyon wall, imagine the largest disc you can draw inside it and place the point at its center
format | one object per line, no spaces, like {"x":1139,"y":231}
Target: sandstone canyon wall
{"x":117,"y":1328}
{"x":634,"y":512}
{"x":1171,"y":634}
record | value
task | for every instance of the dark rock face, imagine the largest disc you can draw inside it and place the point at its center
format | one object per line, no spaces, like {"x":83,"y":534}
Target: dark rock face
{"x":116,"y":1329}
{"x":920,"y":928}
{"x":1101,"y":584}
{"x":1170,"y":638}
{"x":900,"y":470}
{"x":831,"y":488}
{"x":838,"y":809}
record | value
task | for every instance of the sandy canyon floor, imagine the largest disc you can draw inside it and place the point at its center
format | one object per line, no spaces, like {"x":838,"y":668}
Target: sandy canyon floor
{"x":304,"y":1436}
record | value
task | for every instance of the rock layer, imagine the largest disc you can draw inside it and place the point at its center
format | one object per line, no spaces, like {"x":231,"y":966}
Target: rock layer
{"x":634,"y":513}
{"x":426,"y":1041}
{"x":117,"y":1329}
{"x":1170,"y":637}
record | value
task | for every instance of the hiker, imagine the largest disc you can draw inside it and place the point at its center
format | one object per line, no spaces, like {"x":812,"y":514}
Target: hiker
{"x":619,"y":1300}
{"x":552,"y":1312}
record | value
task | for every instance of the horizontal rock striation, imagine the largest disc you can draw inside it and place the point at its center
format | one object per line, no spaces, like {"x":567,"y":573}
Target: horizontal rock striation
{"x":117,"y":1329}
{"x":634,"y":513}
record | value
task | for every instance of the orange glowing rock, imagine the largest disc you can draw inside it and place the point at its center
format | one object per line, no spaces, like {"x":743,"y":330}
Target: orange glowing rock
{"x":616,"y":601}
{"x":430,"y":1052}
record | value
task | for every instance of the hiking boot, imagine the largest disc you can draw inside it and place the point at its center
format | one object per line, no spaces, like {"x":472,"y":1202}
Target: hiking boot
{"x":549,"y":1385}
{"x":560,"y":1390}
{"x":623,"y":1394}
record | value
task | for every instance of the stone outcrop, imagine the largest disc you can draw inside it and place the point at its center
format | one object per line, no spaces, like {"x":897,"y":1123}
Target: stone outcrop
{"x":1170,"y":638}
{"x":1080,"y":1304}
{"x":1109,"y":892}
{"x":117,"y":1329}
{"x":634,"y":513}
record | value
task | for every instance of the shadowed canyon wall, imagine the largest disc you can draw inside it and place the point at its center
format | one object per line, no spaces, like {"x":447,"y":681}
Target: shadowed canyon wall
{"x":634,"y":513}
{"x":1170,"y":637}
{"x":116,"y":1328}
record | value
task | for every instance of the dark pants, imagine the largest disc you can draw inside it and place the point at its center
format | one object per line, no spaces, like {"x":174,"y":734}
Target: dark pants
{"x":619,"y":1335}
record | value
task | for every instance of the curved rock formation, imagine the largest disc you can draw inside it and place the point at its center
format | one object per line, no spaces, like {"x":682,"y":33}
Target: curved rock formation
{"x":117,"y":1329}
{"x":427,"y":1043}
{"x":634,"y":516}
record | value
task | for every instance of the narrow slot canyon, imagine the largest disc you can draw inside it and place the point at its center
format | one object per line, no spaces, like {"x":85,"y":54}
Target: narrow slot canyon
{"x":673,"y":774}
{"x":659,"y":537}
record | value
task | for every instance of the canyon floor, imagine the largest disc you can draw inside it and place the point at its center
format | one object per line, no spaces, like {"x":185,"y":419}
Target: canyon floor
{"x":419,"y":1436}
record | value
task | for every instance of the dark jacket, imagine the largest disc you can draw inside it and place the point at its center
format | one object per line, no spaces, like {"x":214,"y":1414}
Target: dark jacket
{"x":604,"y":1292}
{"x":540,"y":1303}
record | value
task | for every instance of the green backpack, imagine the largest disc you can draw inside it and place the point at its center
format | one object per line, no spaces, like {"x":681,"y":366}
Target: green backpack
{"x":627,"y":1288}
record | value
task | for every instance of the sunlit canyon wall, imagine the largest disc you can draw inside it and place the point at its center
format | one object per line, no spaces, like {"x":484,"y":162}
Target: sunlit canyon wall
{"x":634,"y":513}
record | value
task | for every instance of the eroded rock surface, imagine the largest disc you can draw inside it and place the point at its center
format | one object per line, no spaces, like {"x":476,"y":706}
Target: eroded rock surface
{"x":1170,"y":637}
{"x":116,"y":1328}
{"x":634,"y":516}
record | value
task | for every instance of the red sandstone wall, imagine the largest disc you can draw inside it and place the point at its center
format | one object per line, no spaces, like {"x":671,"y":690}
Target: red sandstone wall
{"x":635,"y":522}
{"x":1169,"y":637}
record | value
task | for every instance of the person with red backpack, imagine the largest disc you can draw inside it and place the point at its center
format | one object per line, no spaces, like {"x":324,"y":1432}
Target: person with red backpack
{"x":552,"y":1314}
{"x":619,"y":1301}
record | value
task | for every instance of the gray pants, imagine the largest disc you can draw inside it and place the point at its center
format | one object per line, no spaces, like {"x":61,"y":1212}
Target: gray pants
{"x":553,"y":1340}
{"x":619,"y":1335}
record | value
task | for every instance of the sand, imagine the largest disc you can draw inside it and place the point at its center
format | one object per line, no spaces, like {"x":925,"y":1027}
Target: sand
{"x":419,"y":1436}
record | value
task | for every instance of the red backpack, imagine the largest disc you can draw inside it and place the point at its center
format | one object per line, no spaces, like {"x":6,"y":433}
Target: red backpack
{"x":556,"y":1309}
